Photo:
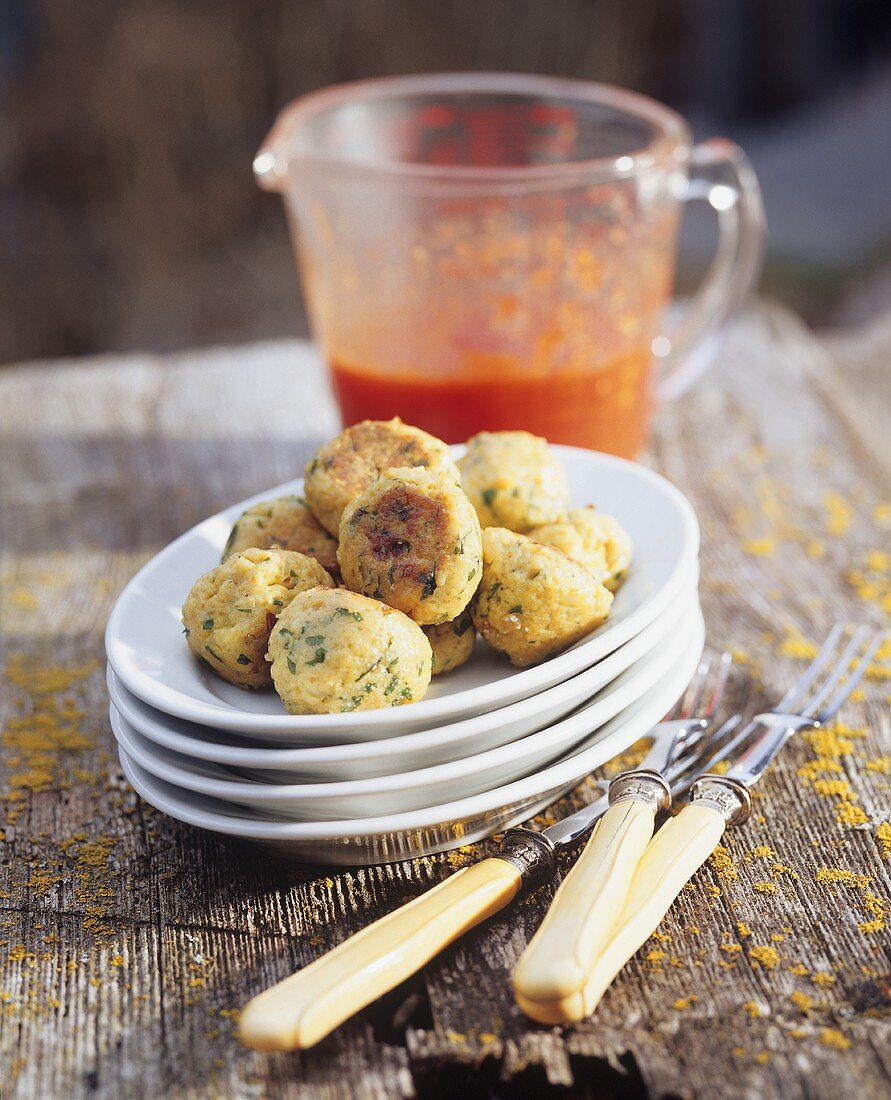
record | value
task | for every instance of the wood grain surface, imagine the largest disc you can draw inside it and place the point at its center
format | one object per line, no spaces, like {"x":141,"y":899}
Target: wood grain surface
{"x":128,"y":941}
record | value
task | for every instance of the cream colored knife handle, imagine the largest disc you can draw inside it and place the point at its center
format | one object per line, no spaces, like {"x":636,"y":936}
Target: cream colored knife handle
{"x":679,"y":848}
{"x":304,"y":1008}
{"x":586,"y":907}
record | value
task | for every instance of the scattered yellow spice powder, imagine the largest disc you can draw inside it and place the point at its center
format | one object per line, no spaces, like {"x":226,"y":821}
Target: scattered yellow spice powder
{"x":683,"y":1003}
{"x":742,"y":929}
{"x":764,"y":956}
{"x":802,"y":1001}
{"x":847,"y":813}
{"x":781,"y":869}
{"x":883,"y":835}
{"x":835,"y":788}
{"x":832,"y":1037}
{"x":822,"y":978}
{"x":828,"y":742}
{"x":839,"y":514}
{"x":766,"y":888}
{"x":840,"y":876}
{"x":796,"y":646}
{"x":764,"y":547}
{"x":722,"y":863}
{"x":753,"y":1010}
{"x":880,"y":764}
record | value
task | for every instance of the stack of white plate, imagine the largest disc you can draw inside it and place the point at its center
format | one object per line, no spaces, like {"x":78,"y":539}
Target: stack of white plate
{"x":489,"y":746}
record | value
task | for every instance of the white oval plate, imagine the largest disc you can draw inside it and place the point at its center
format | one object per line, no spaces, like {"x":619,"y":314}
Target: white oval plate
{"x":364,"y":841}
{"x":391,"y":755}
{"x":148,"y":652}
{"x":412,"y":790}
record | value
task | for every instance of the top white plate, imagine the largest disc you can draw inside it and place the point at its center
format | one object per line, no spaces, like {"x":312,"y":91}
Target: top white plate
{"x":147,"y":650}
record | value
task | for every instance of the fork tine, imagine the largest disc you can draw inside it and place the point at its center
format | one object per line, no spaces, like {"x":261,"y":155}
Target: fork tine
{"x":796,"y":693}
{"x":693,"y":697}
{"x":693,"y":759}
{"x":812,"y":706}
{"x":688,"y":701}
{"x":841,"y":696}
{"x":720,"y":686}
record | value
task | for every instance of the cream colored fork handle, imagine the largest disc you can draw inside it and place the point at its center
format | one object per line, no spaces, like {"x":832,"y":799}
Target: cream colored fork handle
{"x":679,"y":848}
{"x":304,"y":1008}
{"x":585,"y":909}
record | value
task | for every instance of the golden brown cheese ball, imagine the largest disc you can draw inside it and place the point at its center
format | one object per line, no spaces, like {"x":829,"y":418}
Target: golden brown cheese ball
{"x":534,"y":601}
{"x":452,"y":642}
{"x":513,"y":480}
{"x":412,"y":539}
{"x":334,"y":651}
{"x":342,"y":469}
{"x":596,"y":541}
{"x":230,"y":611}
{"x":286,"y":522}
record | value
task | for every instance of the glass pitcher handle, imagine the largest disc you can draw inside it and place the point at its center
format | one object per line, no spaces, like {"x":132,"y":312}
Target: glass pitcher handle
{"x":720,"y":175}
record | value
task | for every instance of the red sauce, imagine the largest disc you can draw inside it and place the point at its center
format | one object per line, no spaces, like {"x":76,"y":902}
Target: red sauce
{"x":607,"y":408}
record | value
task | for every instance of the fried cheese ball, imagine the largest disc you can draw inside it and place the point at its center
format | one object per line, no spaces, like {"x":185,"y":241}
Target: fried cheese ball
{"x":412,"y":540}
{"x":342,"y":469}
{"x":594,"y":540}
{"x":513,"y":480}
{"x":533,"y":600}
{"x":286,"y":522}
{"x":452,"y":642}
{"x":230,"y":611}
{"x":334,"y":651}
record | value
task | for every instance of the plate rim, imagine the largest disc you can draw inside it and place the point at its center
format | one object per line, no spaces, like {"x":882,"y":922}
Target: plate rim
{"x":177,"y":704}
{"x":565,"y":772}
{"x":382,"y":748}
{"x":453,"y":770}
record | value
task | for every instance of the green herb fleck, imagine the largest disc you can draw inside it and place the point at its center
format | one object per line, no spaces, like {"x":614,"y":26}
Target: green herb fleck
{"x":278,"y":603}
{"x":489,"y":496}
{"x":243,"y":659}
{"x":391,"y":686}
{"x":517,"y":609}
{"x":345,"y":612}
{"x":292,"y":668}
{"x":428,"y":585}
{"x":214,"y":654}
{"x":318,"y":659}
{"x":315,"y":639}
{"x":208,"y":624}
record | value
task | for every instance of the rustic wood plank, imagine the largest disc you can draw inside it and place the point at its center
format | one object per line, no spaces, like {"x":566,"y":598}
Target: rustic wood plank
{"x":131,"y":939}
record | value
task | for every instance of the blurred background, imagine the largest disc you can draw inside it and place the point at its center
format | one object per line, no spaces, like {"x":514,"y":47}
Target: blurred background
{"x":129,"y":218}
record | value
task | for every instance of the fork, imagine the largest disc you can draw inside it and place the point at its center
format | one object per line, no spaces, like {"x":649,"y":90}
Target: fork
{"x":571,"y":991}
{"x":302,"y":1009}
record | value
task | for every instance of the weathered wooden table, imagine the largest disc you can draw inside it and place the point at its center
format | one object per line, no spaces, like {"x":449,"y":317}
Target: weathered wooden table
{"x":130,"y":941}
